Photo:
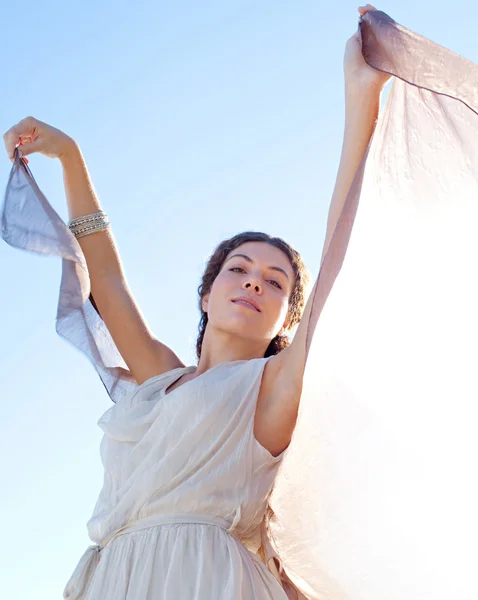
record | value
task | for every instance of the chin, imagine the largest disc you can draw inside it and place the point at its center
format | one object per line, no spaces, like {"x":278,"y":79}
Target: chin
{"x":238,"y":326}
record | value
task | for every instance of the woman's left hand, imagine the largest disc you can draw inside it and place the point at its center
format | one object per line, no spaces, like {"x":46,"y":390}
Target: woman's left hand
{"x":358,"y":74}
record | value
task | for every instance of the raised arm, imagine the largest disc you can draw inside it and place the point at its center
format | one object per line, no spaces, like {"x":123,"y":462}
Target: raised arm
{"x":283,"y":376}
{"x":142,"y":352}
{"x":362,"y":103}
{"x":363,"y":88}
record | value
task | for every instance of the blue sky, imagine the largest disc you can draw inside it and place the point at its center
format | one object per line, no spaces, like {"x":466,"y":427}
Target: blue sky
{"x":197,"y":120}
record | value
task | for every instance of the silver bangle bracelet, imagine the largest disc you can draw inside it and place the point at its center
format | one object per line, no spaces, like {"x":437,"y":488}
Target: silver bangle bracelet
{"x":88,"y":224}
{"x":78,"y":233}
{"x":87,"y":219}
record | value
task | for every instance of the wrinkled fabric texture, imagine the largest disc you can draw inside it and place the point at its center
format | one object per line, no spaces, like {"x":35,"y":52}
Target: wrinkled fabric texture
{"x":185,"y":491}
{"x":376,"y":497}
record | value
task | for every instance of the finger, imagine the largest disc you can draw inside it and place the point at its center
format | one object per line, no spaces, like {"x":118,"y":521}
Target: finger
{"x":11,"y":139}
{"x":24,"y":129}
{"x":363,"y":10}
{"x":26,"y":139}
{"x":27,"y":149}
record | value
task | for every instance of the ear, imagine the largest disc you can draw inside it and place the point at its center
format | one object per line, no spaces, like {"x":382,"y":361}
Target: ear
{"x":205,"y":302}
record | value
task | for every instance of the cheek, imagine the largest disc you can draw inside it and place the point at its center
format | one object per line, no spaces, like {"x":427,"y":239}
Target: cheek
{"x":276,"y":307}
{"x":220,"y":291}
{"x":282,"y":308}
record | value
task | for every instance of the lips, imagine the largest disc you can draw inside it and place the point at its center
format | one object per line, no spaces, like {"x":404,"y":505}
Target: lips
{"x":247,"y":301}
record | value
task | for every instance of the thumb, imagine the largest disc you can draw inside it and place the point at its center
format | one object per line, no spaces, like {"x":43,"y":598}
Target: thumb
{"x":30,"y":148}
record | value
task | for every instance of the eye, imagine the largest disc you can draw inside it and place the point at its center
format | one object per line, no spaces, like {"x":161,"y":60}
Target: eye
{"x":271,"y":281}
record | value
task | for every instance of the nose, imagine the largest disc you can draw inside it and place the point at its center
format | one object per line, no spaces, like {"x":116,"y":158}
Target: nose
{"x":253,"y":284}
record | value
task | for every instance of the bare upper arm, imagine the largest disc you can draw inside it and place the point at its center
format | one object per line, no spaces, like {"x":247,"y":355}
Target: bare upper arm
{"x":144,"y":355}
{"x":281,"y":389}
{"x":278,"y":403}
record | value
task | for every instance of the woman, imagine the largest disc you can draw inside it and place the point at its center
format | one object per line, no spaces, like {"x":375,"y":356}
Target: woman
{"x":191,"y":455}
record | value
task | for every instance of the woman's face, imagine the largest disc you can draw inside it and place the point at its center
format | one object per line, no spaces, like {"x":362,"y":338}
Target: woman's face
{"x":263,"y":275}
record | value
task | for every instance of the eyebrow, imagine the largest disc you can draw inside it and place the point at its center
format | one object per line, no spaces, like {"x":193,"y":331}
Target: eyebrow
{"x":251,"y":261}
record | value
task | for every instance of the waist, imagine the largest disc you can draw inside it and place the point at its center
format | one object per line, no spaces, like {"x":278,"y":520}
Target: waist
{"x":77,"y":585}
{"x":166,"y":519}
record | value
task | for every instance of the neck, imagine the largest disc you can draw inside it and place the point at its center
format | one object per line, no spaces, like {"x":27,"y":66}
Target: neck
{"x":220,"y":347}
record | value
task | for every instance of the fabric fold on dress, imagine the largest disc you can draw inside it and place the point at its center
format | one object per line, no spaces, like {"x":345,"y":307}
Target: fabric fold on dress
{"x":81,"y":579}
{"x":185,"y":492}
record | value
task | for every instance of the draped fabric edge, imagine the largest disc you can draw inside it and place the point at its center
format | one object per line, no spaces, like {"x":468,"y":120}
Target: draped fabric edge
{"x":76,"y":310}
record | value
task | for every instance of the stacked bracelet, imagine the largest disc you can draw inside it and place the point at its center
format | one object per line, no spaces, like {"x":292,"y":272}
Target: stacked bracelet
{"x":82,"y":226}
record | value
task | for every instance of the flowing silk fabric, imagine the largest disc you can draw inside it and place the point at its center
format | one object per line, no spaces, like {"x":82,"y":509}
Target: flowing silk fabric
{"x":377,"y":494}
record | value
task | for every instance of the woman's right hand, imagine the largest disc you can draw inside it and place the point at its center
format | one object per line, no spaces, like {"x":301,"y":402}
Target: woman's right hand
{"x":31,"y":135}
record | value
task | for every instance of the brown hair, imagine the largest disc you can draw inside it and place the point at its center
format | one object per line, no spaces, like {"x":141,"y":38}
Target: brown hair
{"x":297,"y":297}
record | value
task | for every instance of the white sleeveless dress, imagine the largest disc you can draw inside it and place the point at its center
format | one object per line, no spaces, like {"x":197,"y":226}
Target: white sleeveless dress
{"x":185,"y":492}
